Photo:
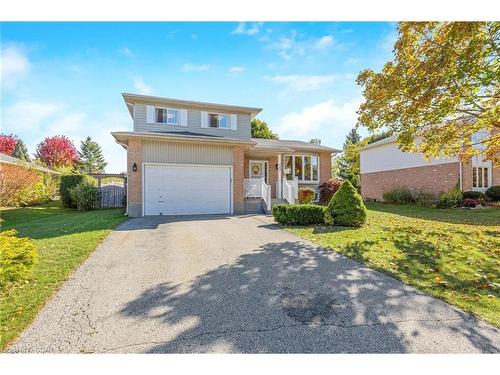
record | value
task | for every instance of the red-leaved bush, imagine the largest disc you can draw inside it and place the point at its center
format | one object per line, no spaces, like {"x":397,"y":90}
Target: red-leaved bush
{"x":7,"y":144}
{"x":15,"y":179}
{"x":57,"y":151}
{"x":327,"y":189}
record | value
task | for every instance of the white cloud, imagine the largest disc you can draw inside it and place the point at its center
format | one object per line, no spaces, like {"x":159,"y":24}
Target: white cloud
{"x":236,"y":69}
{"x":301,"y":83}
{"x":324,"y":42}
{"x":28,"y":115}
{"x":323,"y":120}
{"x":286,"y":46}
{"x":15,"y":65}
{"x":126,"y":51}
{"x":141,"y":86}
{"x":188,"y":67}
{"x":253,"y":29}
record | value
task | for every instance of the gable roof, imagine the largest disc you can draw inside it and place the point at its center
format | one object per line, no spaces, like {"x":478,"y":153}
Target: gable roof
{"x":4,"y":158}
{"x":130,"y":99}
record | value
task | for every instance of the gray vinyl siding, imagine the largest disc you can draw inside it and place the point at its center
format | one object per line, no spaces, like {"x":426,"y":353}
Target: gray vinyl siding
{"x":186,"y":153}
{"x":194,"y":124}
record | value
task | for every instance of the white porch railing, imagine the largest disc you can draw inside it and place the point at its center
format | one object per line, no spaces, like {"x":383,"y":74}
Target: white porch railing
{"x":266,"y":195}
{"x":290,"y":190}
{"x":252,"y":187}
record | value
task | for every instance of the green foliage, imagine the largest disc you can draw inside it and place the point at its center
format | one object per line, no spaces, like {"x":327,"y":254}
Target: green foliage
{"x":473,"y":195}
{"x":260,"y":129}
{"x":17,"y":257}
{"x":494,"y":193}
{"x":91,"y":158}
{"x":21,"y":151}
{"x":306,"y":195}
{"x":67,"y":182}
{"x":315,"y":141}
{"x":348,"y":161}
{"x":85,"y":195}
{"x":441,"y":88}
{"x":423,"y":197}
{"x":346,"y":207}
{"x":299,"y":214}
{"x":398,"y":195}
{"x":450,"y":199}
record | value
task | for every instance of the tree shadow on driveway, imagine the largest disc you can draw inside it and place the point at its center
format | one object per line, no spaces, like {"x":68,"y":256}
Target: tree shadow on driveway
{"x":292,"y":297}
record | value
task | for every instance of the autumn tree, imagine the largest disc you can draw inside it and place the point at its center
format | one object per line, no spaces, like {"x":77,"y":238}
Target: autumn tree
{"x":441,"y":88}
{"x":7,"y":144}
{"x":91,"y":158}
{"x":260,"y":129}
{"x":57,"y":152}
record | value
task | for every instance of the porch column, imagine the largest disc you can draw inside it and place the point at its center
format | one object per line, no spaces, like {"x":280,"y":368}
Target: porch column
{"x":278,"y":193}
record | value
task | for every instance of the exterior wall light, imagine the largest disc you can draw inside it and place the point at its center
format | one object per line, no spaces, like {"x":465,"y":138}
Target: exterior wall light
{"x":134,"y":167}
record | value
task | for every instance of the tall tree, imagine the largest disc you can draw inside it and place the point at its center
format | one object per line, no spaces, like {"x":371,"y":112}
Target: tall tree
{"x":21,"y":151}
{"x":91,"y":158}
{"x":260,"y":129}
{"x":441,"y":88}
{"x":57,"y":152}
{"x":7,"y":144}
{"x":348,"y":162}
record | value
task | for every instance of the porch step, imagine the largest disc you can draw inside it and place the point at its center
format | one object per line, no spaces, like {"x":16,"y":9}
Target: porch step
{"x":254,"y":206}
{"x":277,"y":201}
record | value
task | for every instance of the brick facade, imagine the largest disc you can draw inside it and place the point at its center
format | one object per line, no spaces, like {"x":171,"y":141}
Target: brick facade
{"x":134,"y":183}
{"x":434,"y":178}
{"x":325,"y":167}
{"x":238,"y":175}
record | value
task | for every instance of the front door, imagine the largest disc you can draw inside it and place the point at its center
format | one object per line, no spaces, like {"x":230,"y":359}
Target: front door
{"x":258,"y":169}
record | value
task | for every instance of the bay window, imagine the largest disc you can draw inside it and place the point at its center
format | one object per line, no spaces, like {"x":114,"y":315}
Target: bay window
{"x":303,"y":167}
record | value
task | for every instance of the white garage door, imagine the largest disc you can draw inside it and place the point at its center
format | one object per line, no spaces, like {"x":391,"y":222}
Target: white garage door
{"x":187,"y":190}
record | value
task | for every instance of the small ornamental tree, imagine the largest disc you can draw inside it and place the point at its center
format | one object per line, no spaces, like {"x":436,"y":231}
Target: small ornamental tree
{"x":7,"y":144}
{"x":327,"y":189}
{"x":346,"y":207}
{"x":57,"y":151}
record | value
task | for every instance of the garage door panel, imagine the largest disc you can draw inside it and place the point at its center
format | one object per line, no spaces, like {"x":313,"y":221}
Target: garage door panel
{"x":186,"y":190}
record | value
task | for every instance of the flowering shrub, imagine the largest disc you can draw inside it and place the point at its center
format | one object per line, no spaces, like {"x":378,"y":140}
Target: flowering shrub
{"x":472,"y":202}
{"x":57,"y":151}
{"x":7,"y":144}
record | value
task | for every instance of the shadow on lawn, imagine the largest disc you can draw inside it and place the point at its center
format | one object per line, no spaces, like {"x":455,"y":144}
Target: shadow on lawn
{"x":486,"y":217}
{"x":291,"y":297}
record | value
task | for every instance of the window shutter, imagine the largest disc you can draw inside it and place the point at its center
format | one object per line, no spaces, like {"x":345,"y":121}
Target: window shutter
{"x":204,"y":119}
{"x":150,"y":114}
{"x":184,"y":117}
{"x":234,"y":122}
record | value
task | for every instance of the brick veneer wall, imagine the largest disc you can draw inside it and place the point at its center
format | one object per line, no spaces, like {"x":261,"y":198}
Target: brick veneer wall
{"x":325,"y":167}
{"x":134,"y":183}
{"x":238,"y":175}
{"x":434,"y":178}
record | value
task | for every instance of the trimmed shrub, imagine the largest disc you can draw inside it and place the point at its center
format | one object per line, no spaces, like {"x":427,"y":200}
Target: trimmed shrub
{"x":473,"y":195}
{"x":327,"y":189}
{"x":471,"y":202}
{"x":398,"y":195}
{"x":299,"y":214}
{"x":306,"y":195}
{"x":494,"y":193}
{"x":346,"y":207}
{"x":68,"y":182}
{"x":423,"y":197}
{"x":84,"y":195}
{"x":450,"y":199}
{"x":17,"y":257}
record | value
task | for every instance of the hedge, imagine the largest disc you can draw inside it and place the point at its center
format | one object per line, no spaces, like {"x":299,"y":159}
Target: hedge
{"x":494,"y":193}
{"x":68,"y":182}
{"x":299,"y":214}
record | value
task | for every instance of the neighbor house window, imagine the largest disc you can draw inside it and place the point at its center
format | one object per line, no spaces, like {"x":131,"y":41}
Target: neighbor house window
{"x":302,"y":167}
{"x":480,"y":177}
{"x":218,"y":120}
{"x":167,"y":116}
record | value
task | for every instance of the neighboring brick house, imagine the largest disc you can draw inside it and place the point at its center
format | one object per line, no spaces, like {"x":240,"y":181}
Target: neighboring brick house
{"x":384,"y":166}
{"x":186,"y":157}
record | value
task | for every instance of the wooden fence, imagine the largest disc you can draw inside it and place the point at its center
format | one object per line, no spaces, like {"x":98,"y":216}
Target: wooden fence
{"x":111,"y":196}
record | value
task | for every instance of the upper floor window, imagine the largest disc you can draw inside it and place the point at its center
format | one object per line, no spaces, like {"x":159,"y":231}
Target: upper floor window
{"x":167,"y":116}
{"x":217,"y":120}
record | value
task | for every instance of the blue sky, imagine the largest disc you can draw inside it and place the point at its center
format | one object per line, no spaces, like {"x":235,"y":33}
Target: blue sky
{"x":66,"y":78}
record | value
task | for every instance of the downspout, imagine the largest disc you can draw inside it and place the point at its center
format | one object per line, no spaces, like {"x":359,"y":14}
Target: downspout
{"x":461,"y":183}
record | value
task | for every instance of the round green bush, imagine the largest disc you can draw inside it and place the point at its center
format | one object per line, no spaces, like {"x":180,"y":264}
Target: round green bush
{"x":494,"y":193}
{"x":473,"y":195}
{"x":346,"y":207}
{"x":68,"y":182}
{"x":450,"y":199}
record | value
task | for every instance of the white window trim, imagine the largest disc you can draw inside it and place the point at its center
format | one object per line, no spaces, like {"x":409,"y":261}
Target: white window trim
{"x":228,"y":122}
{"x":303,"y":169}
{"x":178,"y":123}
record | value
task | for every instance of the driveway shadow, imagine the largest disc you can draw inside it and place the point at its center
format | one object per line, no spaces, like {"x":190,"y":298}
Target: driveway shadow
{"x":291,"y":297}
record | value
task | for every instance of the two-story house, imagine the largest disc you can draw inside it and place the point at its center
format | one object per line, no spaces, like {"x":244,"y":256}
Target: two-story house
{"x":186,"y":157}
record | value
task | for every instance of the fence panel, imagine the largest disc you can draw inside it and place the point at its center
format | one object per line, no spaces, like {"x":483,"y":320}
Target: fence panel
{"x":111,"y":196}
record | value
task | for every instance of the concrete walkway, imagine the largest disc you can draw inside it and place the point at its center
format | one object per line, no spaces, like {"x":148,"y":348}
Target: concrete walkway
{"x":240,"y":284}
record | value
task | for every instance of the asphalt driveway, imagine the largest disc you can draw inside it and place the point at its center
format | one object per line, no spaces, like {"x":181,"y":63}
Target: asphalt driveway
{"x":240,"y":284}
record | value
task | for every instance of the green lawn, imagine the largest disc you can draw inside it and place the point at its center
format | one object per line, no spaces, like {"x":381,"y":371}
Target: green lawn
{"x":451,"y":254}
{"x":64,"y":239}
